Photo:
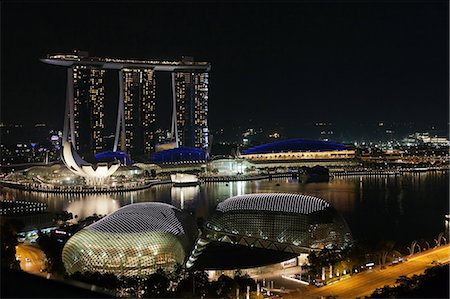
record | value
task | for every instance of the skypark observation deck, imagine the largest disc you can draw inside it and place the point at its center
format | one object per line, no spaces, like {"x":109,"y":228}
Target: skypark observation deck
{"x":68,"y":60}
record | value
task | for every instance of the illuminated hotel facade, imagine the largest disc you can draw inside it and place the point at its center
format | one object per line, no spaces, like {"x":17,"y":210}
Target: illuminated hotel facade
{"x":139,"y":110}
{"x":192,"y":109}
{"x":85,"y":104}
{"x":88,"y":109}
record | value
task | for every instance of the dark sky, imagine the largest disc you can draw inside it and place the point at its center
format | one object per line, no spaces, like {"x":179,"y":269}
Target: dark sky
{"x":272,"y":64}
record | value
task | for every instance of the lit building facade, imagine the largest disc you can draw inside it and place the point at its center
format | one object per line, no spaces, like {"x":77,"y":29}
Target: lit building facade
{"x":342,"y":154}
{"x":139,"y":110}
{"x":299,"y":150}
{"x":191,"y":90}
{"x":88,"y":109}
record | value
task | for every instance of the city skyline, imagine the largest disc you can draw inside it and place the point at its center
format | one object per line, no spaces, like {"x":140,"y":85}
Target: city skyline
{"x":324,"y":61}
{"x":233,"y":149}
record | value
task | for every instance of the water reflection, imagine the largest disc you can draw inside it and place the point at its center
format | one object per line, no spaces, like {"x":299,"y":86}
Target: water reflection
{"x":183,"y":197}
{"x":92,"y":204}
{"x":405,"y":207}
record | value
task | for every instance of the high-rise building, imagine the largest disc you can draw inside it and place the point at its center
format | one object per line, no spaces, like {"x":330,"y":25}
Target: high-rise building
{"x":88,"y":109}
{"x":139,"y":110}
{"x":84,"y":120}
{"x":192,"y":108}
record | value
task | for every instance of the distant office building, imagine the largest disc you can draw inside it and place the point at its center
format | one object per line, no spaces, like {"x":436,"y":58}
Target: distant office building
{"x":192,"y":107}
{"x":426,"y":138}
{"x":88,"y":108}
{"x":139,"y":110}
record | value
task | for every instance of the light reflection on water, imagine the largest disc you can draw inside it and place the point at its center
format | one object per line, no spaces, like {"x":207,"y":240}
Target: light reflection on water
{"x":99,"y":204}
{"x":400,"y":208}
{"x":184,"y":197}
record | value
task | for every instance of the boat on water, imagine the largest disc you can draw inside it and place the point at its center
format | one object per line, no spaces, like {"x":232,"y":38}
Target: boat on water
{"x":184,"y":179}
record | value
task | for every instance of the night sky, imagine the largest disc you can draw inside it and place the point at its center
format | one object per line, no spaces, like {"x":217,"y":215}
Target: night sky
{"x":272,"y":64}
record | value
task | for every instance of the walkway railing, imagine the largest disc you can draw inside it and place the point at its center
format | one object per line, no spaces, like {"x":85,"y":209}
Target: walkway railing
{"x":82,"y":189}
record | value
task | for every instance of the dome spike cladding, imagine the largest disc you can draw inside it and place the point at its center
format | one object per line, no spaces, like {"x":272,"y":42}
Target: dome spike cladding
{"x":135,"y":240}
{"x":293,"y":223}
{"x":274,"y":202}
{"x":140,"y":217}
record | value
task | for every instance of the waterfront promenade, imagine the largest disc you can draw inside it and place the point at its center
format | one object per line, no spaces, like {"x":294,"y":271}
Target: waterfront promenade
{"x":205,"y":178}
{"x":82,"y":189}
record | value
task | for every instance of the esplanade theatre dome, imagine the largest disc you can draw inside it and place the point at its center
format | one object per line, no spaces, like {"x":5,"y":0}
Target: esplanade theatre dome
{"x":135,"y":240}
{"x":301,"y":221}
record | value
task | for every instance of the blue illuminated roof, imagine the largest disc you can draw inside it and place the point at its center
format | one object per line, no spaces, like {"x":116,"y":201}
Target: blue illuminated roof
{"x":119,"y":155}
{"x":295,"y":145}
{"x":180,"y":155}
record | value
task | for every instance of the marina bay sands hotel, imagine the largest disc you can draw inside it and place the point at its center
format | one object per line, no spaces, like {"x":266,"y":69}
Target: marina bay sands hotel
{"x":84,"y":120}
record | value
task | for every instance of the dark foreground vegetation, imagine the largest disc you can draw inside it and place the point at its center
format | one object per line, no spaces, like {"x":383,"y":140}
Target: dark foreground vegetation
{"x":434,"y":283}
{"x":176,"y":284}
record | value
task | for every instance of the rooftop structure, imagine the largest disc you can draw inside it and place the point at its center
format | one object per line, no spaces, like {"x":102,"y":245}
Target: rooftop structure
{"x":119,"y":155}
{"x":82,"y":58}
{"x":181,"y":155}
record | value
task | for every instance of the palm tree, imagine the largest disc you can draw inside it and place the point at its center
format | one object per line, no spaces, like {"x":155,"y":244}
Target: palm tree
{"x":385,"y":250}
{"x":412,"y":248}
{"x":438,"y":240}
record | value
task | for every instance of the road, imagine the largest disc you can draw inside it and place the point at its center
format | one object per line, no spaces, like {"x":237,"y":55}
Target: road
{"x":363,"y":284}
{"x":36,"y":258}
